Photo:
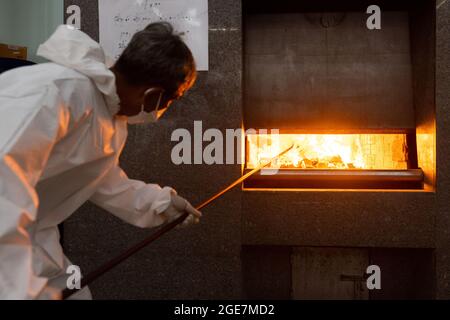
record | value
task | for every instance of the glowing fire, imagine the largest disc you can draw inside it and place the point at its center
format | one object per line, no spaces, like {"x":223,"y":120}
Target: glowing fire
{"x":329,"y":151}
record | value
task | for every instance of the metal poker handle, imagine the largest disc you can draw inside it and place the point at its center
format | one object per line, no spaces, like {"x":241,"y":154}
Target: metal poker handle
{"x":92,"y":276}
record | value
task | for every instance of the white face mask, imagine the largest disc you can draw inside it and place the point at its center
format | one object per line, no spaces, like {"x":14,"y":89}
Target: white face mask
{"x":145,"y":117}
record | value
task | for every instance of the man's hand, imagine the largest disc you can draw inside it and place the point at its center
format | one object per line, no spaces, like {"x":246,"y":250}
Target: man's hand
{"x":178,"y":207}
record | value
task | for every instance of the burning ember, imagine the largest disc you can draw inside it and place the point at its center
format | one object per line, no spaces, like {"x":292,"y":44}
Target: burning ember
{"x":329,"y":151}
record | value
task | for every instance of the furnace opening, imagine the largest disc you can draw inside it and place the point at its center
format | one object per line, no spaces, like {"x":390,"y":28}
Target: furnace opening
{"x":334,"y":161}
{"x":329,"y":151}
{"x":353,"y":101}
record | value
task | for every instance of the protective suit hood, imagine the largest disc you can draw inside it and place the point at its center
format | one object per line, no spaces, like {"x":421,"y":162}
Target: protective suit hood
{"x":74,"y":49}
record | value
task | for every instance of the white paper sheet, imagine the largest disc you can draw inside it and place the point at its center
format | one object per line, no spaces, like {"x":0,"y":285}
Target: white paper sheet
{"x":120,"y":19}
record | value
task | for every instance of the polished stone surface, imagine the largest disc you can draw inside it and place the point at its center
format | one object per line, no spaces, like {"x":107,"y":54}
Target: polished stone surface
{"x":204,"y":262}
{"x":443,"y":149}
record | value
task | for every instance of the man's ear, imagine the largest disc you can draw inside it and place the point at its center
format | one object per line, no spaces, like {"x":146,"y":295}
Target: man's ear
{"x":152,"y":98}
{"x":153,"y":90}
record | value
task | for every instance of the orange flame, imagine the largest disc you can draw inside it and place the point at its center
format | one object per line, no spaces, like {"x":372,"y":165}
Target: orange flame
{"x":329,"y":151}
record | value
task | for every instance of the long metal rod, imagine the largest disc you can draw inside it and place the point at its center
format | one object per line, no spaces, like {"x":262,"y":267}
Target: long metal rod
{"x":92,"y":276}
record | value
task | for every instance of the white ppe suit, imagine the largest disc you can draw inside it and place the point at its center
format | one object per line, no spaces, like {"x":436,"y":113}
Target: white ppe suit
{"x":60,"y":143}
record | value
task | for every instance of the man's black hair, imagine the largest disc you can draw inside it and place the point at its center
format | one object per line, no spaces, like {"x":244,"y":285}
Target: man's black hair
{"x":156,"y":56}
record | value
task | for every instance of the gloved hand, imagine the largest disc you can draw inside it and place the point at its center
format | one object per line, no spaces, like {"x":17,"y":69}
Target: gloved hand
{"x":178,"y":207}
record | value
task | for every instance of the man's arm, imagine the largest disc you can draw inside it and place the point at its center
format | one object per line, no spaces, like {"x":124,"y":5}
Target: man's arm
{"x":133,"y":201}
{"x":140,"y":204}
{"x":29,"y":127}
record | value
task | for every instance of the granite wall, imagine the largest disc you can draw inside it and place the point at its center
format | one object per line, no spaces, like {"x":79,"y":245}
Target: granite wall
{"x":443,"y":148}
{"x":204,"y":262}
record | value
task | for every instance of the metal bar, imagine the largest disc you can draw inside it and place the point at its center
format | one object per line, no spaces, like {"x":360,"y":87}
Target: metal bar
{"x":347,"y":179}
{"x":412,"y":174}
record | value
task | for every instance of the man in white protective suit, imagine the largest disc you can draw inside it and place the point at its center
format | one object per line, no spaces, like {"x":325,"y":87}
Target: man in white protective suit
{"x":63,"y":126}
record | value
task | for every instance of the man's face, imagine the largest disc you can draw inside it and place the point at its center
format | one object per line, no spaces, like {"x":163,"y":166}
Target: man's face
{"x":156,"y":98}
{"x":132,"y":98}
